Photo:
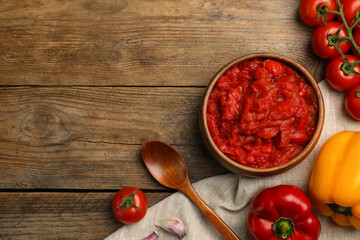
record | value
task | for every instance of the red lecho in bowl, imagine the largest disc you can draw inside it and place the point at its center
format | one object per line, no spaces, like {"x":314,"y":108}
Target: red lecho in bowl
{"x":262,"y":114}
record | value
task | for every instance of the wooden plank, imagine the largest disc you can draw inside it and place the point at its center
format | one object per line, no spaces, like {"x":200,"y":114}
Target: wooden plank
{"x":44,"y":116}
{"x":91,"y":166}
{"x":59,"y":215}
{"x":90,"y":138}
{"x":144,"y":43}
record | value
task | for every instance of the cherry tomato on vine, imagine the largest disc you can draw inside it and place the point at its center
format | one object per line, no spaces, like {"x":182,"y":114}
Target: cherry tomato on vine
{"x":129,"y":205}
{"x":308,"y":11}
{"x":338,"y":78}
{"x":352,"y":102}
{"x":356,"y":36}
{"x":349,"y":8}
{"x":320,"y":42}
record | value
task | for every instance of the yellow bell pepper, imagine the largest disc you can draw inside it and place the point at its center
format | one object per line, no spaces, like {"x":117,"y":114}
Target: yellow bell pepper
{"x":335,"y":180}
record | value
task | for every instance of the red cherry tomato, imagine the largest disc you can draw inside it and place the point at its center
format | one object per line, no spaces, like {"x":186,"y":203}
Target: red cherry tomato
{"x":336,"y":76}
{"x":129,"y":205}
{"x":352,"y":102}
{"x":320,"y":42}
{"x":308,"y":11}
{"x":356,"y":36}
{"x":349,"y":8}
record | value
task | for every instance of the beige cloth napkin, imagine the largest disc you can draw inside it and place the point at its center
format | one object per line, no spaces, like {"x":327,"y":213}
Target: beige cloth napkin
{"x":230,"y":194}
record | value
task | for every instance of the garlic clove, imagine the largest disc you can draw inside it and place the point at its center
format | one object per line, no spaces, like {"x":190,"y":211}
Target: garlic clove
{"x":153,"y":236}
{"x":173,"y":225}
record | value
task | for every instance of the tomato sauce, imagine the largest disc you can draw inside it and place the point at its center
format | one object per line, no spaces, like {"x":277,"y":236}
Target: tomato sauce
{"x":262,"y":113}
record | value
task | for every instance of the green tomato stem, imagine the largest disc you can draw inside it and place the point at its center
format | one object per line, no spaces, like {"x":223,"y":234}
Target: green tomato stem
{"x":348,"y":68}
{"x":357,"y":93}
{"x":347,"y":28}
{"x":128,"y":202}
{"x":355,"y":23}
{"x":331,"y":11}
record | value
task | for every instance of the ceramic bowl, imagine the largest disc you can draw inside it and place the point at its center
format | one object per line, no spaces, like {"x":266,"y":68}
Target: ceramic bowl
{"x":231,"y":164}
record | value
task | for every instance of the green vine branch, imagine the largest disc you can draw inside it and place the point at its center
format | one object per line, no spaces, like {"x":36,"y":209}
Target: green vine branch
{"x":335,"y":39}
{"x":347,"y":27}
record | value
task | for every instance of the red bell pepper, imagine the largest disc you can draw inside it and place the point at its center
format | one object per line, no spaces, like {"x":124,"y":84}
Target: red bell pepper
{"x":283,"y":212}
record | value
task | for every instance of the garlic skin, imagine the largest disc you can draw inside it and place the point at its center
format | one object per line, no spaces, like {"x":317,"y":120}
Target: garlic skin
{"x":173,"y":225}
{"x":153,"y":236}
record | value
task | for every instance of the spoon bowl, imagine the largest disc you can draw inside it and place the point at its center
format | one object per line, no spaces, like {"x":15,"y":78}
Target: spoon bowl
{"x":168,"y":167}
{"x":165,"y":164}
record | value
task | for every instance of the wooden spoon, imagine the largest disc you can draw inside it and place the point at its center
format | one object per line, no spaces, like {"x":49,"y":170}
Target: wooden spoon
{"x":167,"y":166}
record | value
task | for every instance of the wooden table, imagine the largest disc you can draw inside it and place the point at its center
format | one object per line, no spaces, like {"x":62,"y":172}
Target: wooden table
{"x":85,"y":83}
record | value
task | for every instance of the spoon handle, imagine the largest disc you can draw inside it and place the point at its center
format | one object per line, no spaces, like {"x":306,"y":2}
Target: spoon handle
{"x":218,"y":223}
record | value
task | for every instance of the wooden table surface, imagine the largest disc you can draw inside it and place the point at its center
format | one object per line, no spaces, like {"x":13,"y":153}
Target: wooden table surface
{"x":85,"y":83}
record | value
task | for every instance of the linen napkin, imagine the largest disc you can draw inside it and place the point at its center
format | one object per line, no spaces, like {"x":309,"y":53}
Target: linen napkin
{"x":230,"y":194}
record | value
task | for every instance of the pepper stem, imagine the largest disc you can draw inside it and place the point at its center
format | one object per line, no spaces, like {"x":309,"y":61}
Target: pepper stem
{"x":346,"y":211}
{"x":283,"y":227}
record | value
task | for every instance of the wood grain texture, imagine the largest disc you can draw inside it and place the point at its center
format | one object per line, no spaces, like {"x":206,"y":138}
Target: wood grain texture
{"x":90,"y":138}
{"x":44,"y":116}
{"x":143,"y":43}
{"x":61,"y":215}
